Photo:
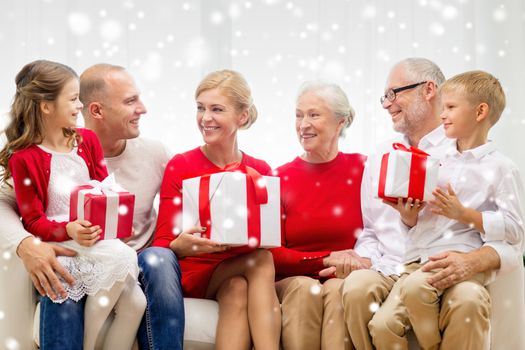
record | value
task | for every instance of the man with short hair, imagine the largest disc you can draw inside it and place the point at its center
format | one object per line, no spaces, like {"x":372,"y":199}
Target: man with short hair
{"x":112,"y":109}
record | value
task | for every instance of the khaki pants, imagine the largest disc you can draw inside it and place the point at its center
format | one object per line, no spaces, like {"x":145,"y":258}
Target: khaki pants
{"x":363,"y":292}
{"x":312,"y":314}
{"x":463,"y":319}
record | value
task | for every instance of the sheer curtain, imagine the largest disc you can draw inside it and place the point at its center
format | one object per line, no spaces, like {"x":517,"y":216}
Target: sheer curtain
{"x":170,"y":45}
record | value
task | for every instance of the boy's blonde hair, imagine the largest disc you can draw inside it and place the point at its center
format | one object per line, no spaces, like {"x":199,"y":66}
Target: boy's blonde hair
{"x":479,"y":87}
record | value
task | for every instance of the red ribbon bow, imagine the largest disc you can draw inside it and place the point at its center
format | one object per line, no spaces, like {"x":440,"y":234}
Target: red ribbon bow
{"x":418,"y":166}
{"x":256,"y":193}
{"x":411,"y":149}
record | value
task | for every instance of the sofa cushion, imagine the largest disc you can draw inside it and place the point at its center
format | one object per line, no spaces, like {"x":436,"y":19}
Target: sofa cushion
{"x":201,"y":320}
{"x":199,"y":331}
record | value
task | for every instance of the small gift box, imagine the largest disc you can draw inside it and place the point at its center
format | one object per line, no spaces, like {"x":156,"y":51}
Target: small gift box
{"x":407,"y":173}
{"x":237,"y":207}
{"x":105,"y":204}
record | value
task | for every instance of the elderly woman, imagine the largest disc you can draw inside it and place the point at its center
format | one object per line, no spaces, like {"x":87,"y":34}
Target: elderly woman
{"x":320,"y":198}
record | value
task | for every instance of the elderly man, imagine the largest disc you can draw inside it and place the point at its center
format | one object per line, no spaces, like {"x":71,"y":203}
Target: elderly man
{"x":412,"y":100}
{"x":112,"y":109}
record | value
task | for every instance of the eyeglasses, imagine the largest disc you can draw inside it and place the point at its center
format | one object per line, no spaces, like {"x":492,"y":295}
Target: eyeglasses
{"x":391,"y":94}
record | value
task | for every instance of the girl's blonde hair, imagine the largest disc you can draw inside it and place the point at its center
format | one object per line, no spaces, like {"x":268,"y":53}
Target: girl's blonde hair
{"x":233,"y":85}
{"x":36,"y":82}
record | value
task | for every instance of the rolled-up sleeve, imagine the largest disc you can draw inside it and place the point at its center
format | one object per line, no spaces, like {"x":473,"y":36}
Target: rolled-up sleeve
{"x":507,"y":222}
{"x":367,"y":242}
{"x":511,"y":257}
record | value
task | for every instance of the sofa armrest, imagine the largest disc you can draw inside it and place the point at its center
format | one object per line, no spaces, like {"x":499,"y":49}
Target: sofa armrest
{"x":17,"y":301}
{"x":507,"y":320}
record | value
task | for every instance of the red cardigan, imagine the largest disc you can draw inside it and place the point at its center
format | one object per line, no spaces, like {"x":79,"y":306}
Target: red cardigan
{"x":31,"y":168}
{"x":321,"y":209}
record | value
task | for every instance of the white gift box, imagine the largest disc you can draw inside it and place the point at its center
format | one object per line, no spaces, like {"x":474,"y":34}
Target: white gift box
{"x":408,"y":173}
{"x":228,"y":206}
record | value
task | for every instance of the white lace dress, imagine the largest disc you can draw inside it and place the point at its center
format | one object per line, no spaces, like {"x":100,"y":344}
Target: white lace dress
{"x":93,"y":268}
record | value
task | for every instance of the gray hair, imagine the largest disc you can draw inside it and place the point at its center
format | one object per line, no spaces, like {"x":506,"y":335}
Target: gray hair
{"x":420,"y":69}
{"x":334,"y":96}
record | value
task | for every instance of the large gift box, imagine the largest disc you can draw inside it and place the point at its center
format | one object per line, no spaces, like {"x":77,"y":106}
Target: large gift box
{"x":407,"y":173}
{"x":238,"y":207}
{"x":105,"y":204}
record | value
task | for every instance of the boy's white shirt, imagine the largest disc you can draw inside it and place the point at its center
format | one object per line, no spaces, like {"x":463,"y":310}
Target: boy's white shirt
{"x":484,"y":180}
{"x":382,"y":240}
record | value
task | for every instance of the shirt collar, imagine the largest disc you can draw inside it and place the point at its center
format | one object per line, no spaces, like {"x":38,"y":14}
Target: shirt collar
{"x":480,"y":151}
{"x":433,"y":138}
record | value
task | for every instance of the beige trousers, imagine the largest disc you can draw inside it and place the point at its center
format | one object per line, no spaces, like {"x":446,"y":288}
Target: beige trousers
{"x":363,"y":292}
{"x":462,"y":322}
{"x":312,"y":314}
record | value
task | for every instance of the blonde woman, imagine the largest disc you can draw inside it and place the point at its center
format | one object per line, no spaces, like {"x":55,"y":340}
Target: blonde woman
{"x":240,"y":279}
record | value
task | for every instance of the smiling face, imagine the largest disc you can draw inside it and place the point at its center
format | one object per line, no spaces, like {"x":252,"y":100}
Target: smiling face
{"x":217,"y":118}
{"x":65,"y":108}
{"x":122,"y":107}
{"x":459,"y":115}
{"x":316,"y":124}
{"x":409,"y":108}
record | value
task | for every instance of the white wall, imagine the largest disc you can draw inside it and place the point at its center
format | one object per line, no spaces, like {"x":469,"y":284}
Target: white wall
{"x":276,"y":44}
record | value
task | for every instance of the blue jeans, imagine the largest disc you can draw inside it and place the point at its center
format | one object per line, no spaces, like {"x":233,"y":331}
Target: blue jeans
{"x":162,"y":326}
{"x":61,"y":325}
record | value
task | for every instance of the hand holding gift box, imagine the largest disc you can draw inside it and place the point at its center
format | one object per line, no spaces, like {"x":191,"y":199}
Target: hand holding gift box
{"x":237,"y":207}
{"x":407,"y":173}
{"x":105,"y":204}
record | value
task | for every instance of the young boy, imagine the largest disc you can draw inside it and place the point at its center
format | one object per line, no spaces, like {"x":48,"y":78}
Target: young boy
{"x":479,"y":199}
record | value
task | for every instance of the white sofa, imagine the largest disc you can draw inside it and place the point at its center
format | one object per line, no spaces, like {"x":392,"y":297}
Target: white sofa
{"x":18,"y":302}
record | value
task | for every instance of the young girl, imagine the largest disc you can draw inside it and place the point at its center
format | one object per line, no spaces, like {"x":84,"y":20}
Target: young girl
{"x":46,"y":156}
